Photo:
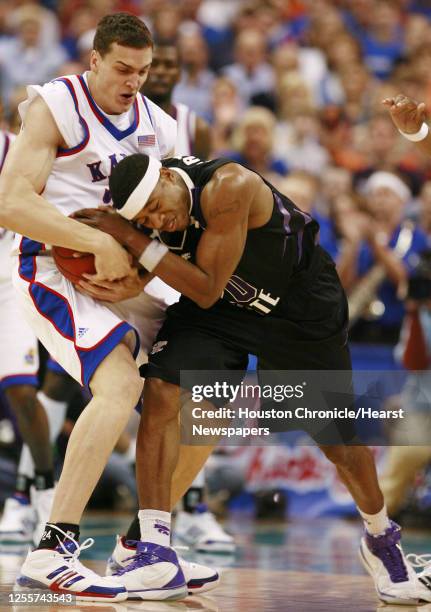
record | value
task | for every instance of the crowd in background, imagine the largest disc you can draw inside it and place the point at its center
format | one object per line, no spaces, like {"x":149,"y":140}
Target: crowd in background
{"x":293,"y":89}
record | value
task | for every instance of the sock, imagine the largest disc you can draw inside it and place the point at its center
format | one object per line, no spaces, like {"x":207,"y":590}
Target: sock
{"x":55,"y":411}
{"x":134,"y":532}
{"x":376,"y":524}
{"x":43,"y":480}
{"x":26,"y":463}
{"x":22,"y":488}
{"x":52,"y":535}
{"x":155,"y":526}
{"x":193,"y":498}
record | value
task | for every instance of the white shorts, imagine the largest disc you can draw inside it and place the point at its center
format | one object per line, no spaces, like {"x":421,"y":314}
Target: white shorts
{"x":76,"y":330}
{"x":19,"y":356}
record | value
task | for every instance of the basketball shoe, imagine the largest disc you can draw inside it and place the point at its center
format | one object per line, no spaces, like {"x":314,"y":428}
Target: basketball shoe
{"x":394,"y":578}
{"x":42,"y":503}
{"x":59,"y":570}
{"x":423,"y":562}
{"x":18,"y":521}
{"x":201,"y":530}
{"x":199,"y":578}
{"x":153,"y":573}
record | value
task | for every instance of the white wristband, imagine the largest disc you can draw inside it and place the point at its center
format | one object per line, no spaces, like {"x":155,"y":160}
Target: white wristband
{"x":152,"y":255}
{"x":421,"y":134}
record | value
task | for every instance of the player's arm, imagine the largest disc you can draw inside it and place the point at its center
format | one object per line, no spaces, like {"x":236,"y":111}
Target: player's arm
{"x":24,"y":211}
{"x":225,"y":204}
{"x":203,"y":139}
{"x":409,"y":116}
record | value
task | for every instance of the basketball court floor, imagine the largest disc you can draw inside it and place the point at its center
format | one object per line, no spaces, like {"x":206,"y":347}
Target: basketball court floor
{"x":298,"y":566}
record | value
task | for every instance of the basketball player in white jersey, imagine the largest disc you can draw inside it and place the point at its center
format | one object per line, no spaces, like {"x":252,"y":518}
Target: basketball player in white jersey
{"x":29,"y":506}
{"x":75,"y":130}
{"x":195,"y":525}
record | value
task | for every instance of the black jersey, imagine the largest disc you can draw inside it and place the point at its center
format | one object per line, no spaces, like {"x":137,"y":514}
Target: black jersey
{"x":273,"y":255}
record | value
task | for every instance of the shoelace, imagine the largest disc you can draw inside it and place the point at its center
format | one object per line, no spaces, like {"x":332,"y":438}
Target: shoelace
{"x":421,"y":561}
{"x":394,"y":563}
{"x":72,"y":556}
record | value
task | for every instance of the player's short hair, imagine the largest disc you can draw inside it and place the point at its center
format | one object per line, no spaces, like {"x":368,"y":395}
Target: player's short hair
{"x":131,"y":183}
{"x":122,"y":28}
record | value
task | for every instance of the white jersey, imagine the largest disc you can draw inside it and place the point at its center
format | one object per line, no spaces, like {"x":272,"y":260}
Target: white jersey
{"x":6,"y":237}
{"x":186,"y":129}
{"x":96,"y":142}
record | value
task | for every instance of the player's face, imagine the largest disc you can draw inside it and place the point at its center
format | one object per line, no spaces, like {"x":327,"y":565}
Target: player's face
{"x":118,"y":76}
{"x":164,"y":73}
{"x":167,"y":209}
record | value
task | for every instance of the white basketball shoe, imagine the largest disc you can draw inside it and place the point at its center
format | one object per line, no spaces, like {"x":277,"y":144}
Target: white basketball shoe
{"x":17,"y":522}
{"x":394,"y":578}
{"x":202,"y":531}
{"x":59,"y":570}
{"x":199,"y":578}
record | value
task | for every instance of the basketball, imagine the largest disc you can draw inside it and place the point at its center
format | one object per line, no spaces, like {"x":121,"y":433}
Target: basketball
{"x":73,"y":267}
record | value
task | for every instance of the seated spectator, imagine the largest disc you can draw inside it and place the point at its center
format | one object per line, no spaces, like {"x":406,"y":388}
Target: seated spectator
{"x":251,"y":73}
{"x":301,"y":188}
{"x":385,"y":253}
{"x":252,"y":144}
{"x":194,"y":86}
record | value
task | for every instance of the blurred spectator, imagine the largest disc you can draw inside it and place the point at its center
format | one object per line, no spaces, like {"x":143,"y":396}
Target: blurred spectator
{"x":385,"y":253}
{"x":165,"y":24}
{"x":382,"y":41}
{"x":252,"y":143}
{"x":24,"y":58}
{"x":194,"y":87}
{"x":425,"y":208}
{"x":297,"y":142}
{"x":227,"y":109}
{"x":301,"y":187}
{"x":251,"y":73}
{"x":84,"y":47}
{"x":384,"y":150}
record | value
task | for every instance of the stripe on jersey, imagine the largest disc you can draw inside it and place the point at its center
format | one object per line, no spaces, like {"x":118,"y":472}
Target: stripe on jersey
{"x":148,"y":110}
{"x":112,"y":129}
{"x":14,"y":380}
{"x":63,"y":152}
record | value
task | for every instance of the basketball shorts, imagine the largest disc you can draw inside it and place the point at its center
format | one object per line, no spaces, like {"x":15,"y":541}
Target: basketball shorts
{"x":220,"y":339}
{"x":76,"y":330}
{"x":19,"y":356}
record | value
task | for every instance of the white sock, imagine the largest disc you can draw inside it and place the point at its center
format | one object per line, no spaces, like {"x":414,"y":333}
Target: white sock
{"x":376,"y":524}
{"x":155,"y":526}
{"x":26,"y":463}
{"x":56,"y":413}
{"x":199,"y":481}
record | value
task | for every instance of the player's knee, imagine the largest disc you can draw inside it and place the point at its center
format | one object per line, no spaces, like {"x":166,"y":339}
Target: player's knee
{"x":336,"y":454}
{"x":117,"y":380}
{"x":161,"y":401}
{"x":22,"y":399}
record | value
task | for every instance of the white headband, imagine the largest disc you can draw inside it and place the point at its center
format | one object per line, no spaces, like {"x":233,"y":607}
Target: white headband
{"x":390,"y":181}
{"x":139,"y":196}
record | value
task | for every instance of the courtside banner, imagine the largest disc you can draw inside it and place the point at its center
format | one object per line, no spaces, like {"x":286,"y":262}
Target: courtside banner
{"x":377,"y":408}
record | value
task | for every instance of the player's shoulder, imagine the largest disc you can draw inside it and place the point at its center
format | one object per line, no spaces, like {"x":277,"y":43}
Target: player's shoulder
{"x":157,"y":114}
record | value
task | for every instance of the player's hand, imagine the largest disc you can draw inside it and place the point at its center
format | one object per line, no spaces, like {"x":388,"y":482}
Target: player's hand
{"x":112,"y":291}
{"x":106,"y":219}
{"x":111,"y":261}
{"x":407,"y":114}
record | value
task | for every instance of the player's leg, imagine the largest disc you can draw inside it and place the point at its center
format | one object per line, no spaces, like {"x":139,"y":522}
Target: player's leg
{"x":182,"y":349}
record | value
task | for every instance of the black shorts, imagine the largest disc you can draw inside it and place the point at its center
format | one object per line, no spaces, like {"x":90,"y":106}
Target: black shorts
{"x":219,"y":340}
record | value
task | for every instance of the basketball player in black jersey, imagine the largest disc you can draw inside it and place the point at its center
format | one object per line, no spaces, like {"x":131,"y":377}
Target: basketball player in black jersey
{"x":281,"y":300}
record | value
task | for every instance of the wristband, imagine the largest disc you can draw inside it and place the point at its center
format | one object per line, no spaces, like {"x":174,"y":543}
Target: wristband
{"x":421,"y":134}
{"x":152,"y":255}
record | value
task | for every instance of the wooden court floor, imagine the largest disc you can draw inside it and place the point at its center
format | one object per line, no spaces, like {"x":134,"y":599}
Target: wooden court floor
{"x":300,"y":566}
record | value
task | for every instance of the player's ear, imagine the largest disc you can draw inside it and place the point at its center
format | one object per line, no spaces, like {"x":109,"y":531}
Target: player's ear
{"x":167,"y":174}
{"x":94,"y":61}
